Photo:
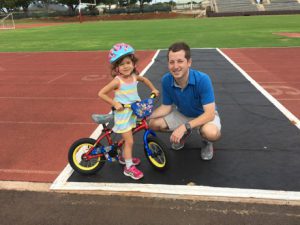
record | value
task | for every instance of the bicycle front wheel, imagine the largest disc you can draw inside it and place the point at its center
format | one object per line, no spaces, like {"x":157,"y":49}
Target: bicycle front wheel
{"x":79,"y":163}
{"x":156,"y":156}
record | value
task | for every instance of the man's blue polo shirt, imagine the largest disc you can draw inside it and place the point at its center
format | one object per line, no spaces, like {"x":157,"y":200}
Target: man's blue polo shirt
{"x":190,"y":100}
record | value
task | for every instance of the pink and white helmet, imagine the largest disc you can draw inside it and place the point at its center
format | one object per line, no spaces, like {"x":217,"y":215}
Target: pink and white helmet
{"x":119,"y":50}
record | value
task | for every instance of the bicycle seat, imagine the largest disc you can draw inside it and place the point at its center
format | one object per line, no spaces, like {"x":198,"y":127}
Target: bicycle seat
{"x":103,"y":118}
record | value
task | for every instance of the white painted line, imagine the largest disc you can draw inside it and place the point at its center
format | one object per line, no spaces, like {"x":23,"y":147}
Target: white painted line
{"x":44,"y":123}
{"x":28,"y":171}
{"x":294,"y":120}
{"x":150,"y":64}
{"x":56,"y":78}
{"x":182,"y":190}
{"x":46,"y":98}
{"x":62,"y":179}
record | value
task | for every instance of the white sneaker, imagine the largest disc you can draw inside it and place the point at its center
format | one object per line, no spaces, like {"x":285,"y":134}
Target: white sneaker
{"x":177,"y":146}
{"x":207,"y":152}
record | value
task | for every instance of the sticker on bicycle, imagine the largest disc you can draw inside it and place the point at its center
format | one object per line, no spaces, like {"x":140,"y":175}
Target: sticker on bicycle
{"x":143,"y":108}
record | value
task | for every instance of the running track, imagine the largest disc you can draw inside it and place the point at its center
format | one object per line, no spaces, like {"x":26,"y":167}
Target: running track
{"x":46,"y":100}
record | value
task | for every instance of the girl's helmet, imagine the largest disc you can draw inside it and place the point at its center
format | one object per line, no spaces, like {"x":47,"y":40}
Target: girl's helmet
{"x":119,"y":50}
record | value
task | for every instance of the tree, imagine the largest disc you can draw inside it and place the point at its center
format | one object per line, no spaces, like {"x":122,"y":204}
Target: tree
{"x":72,"y":4}
{"x":7,"y":6}
{"x":24,"y":4}
{"x":142,"y":3}
{"x":109,"y":2}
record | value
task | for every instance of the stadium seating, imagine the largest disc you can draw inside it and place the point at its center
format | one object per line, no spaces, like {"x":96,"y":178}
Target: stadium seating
{"x":224,"y":6}
{"x":250,"y":7}
{"x":280,"y":5}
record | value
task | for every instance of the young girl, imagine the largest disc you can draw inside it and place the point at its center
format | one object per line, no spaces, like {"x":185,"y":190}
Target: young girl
{"x":123,"y":70}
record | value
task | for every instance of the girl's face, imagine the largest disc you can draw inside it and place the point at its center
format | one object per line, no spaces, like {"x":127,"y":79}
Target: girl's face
{"x":126,"y":67}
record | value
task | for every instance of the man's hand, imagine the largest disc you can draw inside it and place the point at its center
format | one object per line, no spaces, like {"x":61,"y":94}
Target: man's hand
{"x":178,"y":134}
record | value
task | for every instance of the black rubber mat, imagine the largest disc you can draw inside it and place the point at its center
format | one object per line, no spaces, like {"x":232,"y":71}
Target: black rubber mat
{"x":259,"y":148}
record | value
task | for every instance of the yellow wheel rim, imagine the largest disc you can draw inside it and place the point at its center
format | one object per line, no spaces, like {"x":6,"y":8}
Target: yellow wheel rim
{"x":78,"y":152}
{"x":154,"y":148}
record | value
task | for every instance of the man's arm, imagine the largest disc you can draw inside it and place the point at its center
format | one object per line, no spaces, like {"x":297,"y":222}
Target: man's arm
{"x":208,"y":115}
{"x":161,"y":111}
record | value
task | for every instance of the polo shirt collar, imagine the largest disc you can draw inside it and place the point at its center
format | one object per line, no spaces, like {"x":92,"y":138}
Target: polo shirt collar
{"x":191,"y":79}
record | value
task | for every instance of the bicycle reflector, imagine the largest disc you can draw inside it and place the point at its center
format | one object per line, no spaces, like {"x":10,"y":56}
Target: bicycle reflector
{"x":143,"y":108}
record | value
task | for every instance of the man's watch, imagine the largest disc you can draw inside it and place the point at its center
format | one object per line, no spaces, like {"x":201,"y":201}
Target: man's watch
{"x":188,"y":127}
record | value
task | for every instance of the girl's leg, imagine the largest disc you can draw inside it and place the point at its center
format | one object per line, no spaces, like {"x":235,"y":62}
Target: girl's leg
{"x":127,"y":151}
{"x":130,"y":169}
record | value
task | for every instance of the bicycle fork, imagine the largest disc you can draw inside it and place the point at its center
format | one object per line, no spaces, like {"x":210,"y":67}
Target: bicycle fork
{"x":146,"y":134}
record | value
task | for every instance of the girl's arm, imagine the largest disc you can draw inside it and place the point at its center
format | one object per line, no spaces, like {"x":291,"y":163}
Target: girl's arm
{"x":103,"y":94}
{"x":149,"y":84}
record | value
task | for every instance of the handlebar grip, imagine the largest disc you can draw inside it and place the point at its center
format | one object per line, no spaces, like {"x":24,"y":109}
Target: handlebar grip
{"x":124,"y":106}
{"x":153,"y":95}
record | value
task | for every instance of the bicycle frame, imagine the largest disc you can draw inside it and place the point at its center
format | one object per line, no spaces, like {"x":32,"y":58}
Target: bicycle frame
{"x":142,"y":125}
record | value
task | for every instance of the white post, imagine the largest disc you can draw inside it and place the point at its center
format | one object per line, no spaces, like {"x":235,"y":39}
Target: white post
{"x":79,"y":11}
{"x":12,"y":17}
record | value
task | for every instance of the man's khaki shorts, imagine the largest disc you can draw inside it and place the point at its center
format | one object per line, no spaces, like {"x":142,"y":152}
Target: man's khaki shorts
{"x":175,"y":119}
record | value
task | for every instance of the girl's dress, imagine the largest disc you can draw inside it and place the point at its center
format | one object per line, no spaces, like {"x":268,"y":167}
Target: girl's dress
{"x":127,"y":93}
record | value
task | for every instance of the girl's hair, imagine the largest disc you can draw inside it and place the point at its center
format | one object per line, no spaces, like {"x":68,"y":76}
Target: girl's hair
{"x":115,"y":65}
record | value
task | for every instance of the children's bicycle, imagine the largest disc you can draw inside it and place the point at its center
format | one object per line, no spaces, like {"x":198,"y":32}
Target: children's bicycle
{"x":87,"y":156}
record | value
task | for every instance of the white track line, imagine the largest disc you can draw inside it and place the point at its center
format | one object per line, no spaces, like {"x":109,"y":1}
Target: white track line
{"x":44,"y":123}
{"x":61,"y":182}
{"x":183,"y":190}
{"x":294,"y":120}
{"x":28,"y":171}
{"x":57,"y":78}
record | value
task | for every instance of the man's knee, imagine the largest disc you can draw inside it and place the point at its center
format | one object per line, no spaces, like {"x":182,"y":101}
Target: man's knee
{"x":210,"y":132}
{"x":158,"y":124}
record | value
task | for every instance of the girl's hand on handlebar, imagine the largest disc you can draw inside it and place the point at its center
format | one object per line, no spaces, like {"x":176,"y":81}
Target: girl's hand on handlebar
{"x":118,"y":106}
{"x":155,"y":92}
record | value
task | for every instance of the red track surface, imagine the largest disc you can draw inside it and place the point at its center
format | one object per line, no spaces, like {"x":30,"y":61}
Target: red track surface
{"x":32,"y":25}
{"x":275,"y":69}
{"x":46,"y":100}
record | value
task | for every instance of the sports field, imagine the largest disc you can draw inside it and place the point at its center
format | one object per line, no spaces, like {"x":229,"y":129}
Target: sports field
{"x":50,"y":77}
{"x":229,"y":32}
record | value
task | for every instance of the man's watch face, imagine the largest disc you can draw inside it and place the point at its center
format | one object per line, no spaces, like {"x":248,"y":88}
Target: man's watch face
{"x":188,"y":126}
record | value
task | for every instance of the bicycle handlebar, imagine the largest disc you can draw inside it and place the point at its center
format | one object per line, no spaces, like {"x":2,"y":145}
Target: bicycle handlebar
{"x":129,"y":105}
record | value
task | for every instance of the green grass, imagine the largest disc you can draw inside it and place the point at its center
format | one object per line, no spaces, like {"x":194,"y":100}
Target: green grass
{"x":229,"y":32}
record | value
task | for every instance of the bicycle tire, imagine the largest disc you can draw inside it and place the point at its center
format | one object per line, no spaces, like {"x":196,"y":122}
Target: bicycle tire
{"x":158,"y":160}
{"x":82,"y":166}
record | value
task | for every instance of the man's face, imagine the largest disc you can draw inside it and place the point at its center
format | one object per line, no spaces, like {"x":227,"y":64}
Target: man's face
{"x":178,"y":64}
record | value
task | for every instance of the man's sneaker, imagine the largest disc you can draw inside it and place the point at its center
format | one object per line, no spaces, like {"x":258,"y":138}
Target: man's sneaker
{"x":135,"y":161}
{"x":207,"y":152}
{"x":177,"y":146}
{"x":133,"y":172}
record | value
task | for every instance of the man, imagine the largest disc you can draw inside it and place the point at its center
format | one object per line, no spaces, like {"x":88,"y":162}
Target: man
{"x":192,"y":93}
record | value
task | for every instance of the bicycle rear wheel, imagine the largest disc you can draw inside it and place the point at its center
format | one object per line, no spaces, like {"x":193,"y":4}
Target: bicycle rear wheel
{"x":79,"y":163}
{"x":157,"y":157}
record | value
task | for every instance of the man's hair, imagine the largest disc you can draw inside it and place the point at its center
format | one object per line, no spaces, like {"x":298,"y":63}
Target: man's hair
{"x":178,"y":46}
